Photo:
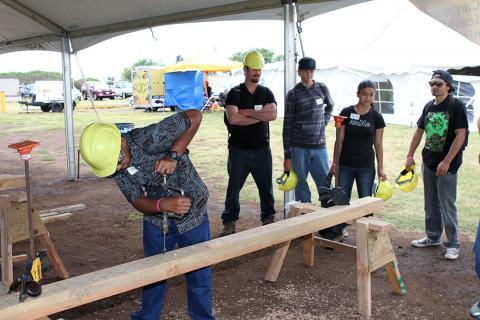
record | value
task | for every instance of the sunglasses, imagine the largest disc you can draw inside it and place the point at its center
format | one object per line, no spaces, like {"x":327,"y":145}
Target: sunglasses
{"x":438,"y":84}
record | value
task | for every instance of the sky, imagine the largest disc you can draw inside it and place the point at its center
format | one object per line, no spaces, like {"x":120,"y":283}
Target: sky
{"x":109,"y":58}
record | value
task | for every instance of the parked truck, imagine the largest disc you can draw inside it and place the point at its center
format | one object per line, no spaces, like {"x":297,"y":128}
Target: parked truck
{"x":148,"y":87}
{"x":49,"y":96}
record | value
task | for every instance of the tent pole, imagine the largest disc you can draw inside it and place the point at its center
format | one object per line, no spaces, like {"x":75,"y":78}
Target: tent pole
{"x":68,"y":108}
{"x":289,"y":63}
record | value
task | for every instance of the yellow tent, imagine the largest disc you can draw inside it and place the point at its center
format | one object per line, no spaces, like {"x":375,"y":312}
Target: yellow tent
{"x":206,"y":61}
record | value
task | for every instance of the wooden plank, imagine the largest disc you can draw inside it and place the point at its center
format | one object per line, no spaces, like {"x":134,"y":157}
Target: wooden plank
{"x":6,"y":245}
{"x":18,"y":258}
{"x":380,"y":250}
{"x":56,"y":217}
{"x":53,"y":256}
{"x":11,"y":181}
{"x":364,"y":281}
{"x":16,"y":196}
{"x":65,"y":209}
{"x":277,"y":261}
{"x":104,"y":283}
{"x":18,"y":223}
{"x":309,"y":250}
{"x":337,"y":246}
{"x":396,"y":279}
{"x":376,"y":225}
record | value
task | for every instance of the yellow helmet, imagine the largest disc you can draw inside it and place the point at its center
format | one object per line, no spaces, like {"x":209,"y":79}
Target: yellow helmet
{"x":407,"y":179}
{"x":254,"y":60}
{"x":100,"y":147}
{"x":383,"y":190}
{"x":287,"y":181}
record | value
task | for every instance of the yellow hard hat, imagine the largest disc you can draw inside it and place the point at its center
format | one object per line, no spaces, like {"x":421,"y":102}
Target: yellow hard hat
{"x":407,"y":179}
{"x":100,"y":147}
{"x":254,"y":60}
{"x":287,"y":181}
{"x":383,"y":190}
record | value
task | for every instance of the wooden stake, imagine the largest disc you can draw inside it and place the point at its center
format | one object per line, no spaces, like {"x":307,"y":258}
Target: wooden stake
{"x":6,"y":244}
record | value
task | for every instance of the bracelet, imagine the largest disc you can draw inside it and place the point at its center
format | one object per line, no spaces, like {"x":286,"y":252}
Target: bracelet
{"x":157,"y":205}
{"x":409,"y":157}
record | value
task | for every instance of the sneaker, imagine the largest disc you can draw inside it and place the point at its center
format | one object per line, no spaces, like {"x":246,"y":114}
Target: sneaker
{"x":452,"y":253}
{"x":228,"y":228}
{"x":268,"y":220}
{"x":475,"y":311}
{"x":425,"y":242}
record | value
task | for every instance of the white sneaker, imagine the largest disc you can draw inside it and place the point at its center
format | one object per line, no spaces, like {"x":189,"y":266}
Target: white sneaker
{"x":452,"y":253}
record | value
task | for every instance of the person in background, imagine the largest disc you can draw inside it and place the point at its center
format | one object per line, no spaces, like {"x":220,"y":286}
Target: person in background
{"x":360,"y":143}
{"x":139,"y":162}
{"x":444,"y":122}
{"x":308,"y":108}
{"x":249,"y":108}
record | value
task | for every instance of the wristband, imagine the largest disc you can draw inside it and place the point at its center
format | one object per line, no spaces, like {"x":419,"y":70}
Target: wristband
{"x":409,"y":157}
{"x":157,"y":205}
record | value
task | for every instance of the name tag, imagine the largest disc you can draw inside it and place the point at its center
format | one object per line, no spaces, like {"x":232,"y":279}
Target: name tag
{"x":258,"y":107}
{"x":355,"y":116}
{"x":319,"y":101}
{"x":132,"y":170}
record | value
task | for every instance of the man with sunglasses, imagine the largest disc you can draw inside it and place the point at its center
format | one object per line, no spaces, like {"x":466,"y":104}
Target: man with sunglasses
{"x":444,"y":122}
{"x":150,"y":165}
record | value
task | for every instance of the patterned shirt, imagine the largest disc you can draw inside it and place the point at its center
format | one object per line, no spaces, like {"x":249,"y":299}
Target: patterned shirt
{"x":307,"y":112}
{"x":150,"y":144}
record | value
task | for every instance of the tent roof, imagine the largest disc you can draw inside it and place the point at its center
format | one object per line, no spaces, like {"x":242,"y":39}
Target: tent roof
{"x":385,"y":36}
{"x":38,"y":25}
{"x":206,"y":61}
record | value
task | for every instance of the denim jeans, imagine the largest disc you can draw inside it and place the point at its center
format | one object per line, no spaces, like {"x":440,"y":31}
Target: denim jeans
{"x":440,"y":194}
{"x":364,"y":178}
{"x":199,"y":282}
{"x":305,"y":161}
{"x":476,"y":250}
{"x":242,"y":162}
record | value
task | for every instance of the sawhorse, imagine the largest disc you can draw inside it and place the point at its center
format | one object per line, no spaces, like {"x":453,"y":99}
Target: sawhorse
{"x":14,"y":228}
{"x":373,"y":250}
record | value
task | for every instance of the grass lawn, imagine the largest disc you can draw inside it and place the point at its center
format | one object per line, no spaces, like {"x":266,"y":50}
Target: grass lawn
{"x":209,"y":154}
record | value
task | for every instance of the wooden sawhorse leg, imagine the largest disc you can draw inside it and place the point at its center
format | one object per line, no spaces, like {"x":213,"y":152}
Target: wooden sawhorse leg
{"x":5,"y":243}
{"x":53,"y":255}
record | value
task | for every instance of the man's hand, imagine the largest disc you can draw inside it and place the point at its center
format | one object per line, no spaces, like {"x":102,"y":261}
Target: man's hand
{"x":442,"y":168}
{"x":165,"y":166}
{"x":381,"y":175}
{"x":178,"y":205}
{"x":409,"y":162}
{"x":287,"y":165}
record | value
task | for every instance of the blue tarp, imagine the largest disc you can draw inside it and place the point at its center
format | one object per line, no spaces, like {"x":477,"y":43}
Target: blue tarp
{"x":184,"y":90}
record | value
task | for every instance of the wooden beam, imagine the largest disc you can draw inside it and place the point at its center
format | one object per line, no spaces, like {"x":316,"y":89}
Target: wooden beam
{"x":364,"y":278}
{"x":65,"y":209}
{"x":53,"y":256}
{"x":104,"y":283}
{"x":56,"y":217}
{"x":11,"y":181}
{"x":18,"y":258}
{"x":5,"y":243}
{"x":309,"y":250}
{"x":337,"y":246}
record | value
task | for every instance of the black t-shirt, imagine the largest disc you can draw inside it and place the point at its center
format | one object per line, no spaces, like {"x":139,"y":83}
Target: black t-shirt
{"x":439,"y":123}
{"x":254,"y":136}
{"x":357,"y":149}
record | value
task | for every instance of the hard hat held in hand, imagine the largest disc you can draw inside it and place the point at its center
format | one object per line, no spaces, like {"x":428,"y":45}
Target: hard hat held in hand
{"x":100,"y":147}
{"x":287,"y":181}
{"x":407,"y":179}
{"x":383,"y":190}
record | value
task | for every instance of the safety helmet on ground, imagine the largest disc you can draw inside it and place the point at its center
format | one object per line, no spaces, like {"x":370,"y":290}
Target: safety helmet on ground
{"x":287,"y":181}
{"x":100,"y":147}
{"x":383,"y":189}
{"x":254,"y":60}
{"x":407,"y":179}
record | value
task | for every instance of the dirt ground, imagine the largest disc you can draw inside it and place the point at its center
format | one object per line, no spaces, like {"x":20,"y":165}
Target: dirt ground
{"x":102,"y":236}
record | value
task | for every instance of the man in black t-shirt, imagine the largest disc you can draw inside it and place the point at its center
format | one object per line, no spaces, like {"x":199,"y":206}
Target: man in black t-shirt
{"x":444,"y":122}
{"x":248,"y":109}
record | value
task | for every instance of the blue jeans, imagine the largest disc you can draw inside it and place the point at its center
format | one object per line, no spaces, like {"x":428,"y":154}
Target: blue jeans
{"x":476,"y":251}
{"x":199,"y":282}
{"x":305,"y":161}
{"x":242,"y":162}
{"x":440,"y":194}
{"x":364,"y":178}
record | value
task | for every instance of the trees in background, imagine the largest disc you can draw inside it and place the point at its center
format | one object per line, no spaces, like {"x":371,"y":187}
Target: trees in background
{"x":32,"y":76}
{"x":267,"y":54}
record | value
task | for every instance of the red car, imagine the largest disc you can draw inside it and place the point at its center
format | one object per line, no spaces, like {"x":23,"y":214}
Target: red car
{"x":98,"y":90}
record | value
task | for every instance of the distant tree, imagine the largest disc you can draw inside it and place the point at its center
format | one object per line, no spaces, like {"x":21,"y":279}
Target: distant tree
{"x":110,"y":80}
{"x":179,"y":58}
{"x":78,"y":83}
{"x":127,"y":71}
{"x":32,"y":76}
{"x":267,"y":54}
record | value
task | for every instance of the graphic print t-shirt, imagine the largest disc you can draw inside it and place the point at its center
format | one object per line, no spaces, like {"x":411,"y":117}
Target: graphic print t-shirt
{"x":357,"y":149}
{"x":439,"y":123}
